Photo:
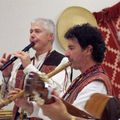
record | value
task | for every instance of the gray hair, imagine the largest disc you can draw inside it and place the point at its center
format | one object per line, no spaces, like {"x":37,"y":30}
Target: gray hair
{"x":47,"y":24}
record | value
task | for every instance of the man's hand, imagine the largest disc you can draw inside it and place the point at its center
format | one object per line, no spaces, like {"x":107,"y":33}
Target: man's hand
{"x":56,"y":110}
{"x":25,"y":58}
{"x":21,"y":101}
{"x":6,"y":72}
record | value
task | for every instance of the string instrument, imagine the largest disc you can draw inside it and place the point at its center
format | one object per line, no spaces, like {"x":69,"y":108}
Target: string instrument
{"x":42,"y":95}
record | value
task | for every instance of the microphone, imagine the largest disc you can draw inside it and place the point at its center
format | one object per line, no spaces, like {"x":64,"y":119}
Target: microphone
{"x":14,"y":58}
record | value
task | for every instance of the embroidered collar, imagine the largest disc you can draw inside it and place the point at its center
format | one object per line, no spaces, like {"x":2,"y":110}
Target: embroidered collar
{"x":43,"y":55}
{"x":91,"y":71}
{"x":38,"y":61}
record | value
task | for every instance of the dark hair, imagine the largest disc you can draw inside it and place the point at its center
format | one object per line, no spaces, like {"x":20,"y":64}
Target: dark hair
{"x":88,"y":35}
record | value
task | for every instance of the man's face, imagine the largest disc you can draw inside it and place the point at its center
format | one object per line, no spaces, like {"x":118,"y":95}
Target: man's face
{"x":75,"y":54}
{"x":40,"y":36}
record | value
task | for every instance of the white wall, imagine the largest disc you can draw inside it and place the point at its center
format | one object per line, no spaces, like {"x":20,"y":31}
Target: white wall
{"x":16,"y":15}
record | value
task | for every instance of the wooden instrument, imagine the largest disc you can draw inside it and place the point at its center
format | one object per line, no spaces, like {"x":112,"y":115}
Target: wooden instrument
{"x":14,"y":58}
{"x":37,"y":87}
{"x":5,"y":115}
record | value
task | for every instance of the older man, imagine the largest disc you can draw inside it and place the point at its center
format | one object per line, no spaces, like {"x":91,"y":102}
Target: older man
{"x":46,"y":59}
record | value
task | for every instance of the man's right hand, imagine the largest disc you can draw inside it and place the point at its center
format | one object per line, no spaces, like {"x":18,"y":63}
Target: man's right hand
{"x":6,"y":72}
{"x":21,"y":101}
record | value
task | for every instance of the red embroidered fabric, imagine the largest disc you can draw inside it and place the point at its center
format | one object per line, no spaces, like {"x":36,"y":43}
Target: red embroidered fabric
{"x":109,"y":23}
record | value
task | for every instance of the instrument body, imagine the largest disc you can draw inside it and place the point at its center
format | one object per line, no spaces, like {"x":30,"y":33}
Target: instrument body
{"x":36,"y":87}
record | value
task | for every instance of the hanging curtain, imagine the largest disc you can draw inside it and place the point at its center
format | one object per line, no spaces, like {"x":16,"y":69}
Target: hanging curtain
{"x":109,"y":23}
